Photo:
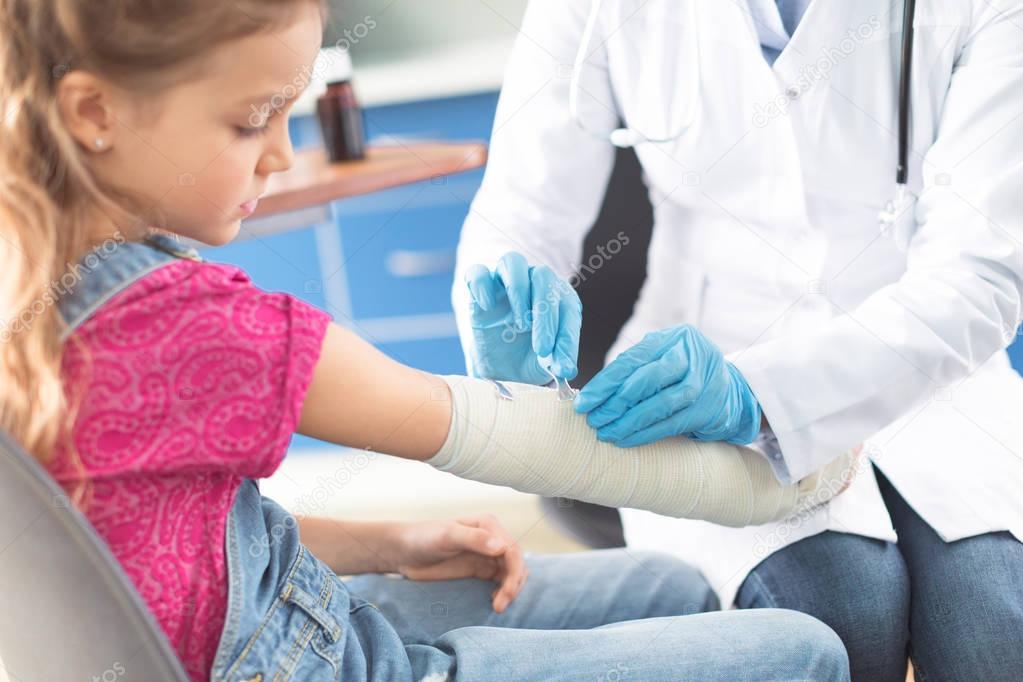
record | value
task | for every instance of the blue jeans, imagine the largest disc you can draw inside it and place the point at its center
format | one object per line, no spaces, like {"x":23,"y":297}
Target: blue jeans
{"x":603,"y":615}
{"x":290,"y":618}
{"x":956,"y":608}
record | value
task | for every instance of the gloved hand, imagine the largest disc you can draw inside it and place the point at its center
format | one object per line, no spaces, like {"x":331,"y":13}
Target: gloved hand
{"x":673,"y":382}
{"x":520,"y":315}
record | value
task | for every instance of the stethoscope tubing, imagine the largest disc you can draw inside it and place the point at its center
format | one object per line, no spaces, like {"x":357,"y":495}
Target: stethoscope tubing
{"x":625,"y":137}
{"x":905,"y":77}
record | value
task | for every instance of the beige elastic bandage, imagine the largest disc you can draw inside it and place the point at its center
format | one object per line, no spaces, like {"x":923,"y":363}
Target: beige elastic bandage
{"x":531,"y":441}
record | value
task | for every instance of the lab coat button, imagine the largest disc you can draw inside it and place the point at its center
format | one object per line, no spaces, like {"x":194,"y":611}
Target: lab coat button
{"x":793,"y":92}
{"x":817,"y":286}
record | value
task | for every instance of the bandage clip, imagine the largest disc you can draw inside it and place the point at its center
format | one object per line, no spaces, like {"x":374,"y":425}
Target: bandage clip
{"x":565,"y":391}
{"x":502,"y":390}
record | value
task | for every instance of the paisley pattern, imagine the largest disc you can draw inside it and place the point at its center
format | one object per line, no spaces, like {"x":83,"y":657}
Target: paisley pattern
{"x":192,"y":379}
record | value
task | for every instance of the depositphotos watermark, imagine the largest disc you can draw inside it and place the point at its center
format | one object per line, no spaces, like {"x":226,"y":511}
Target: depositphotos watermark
{"x":313,"y":501}
{"x":597,"y":260}
{"x":305,"y":75}
{"x":814,"y":72}
{"x":565,"y":289}
{"x":112,"y":674}
{"x":831,"y":488}
{"x":618,"y":672}
{"x":61,"y":287}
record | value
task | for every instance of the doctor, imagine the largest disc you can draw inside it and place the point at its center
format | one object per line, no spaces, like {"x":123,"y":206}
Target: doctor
{"x":774,"y":310}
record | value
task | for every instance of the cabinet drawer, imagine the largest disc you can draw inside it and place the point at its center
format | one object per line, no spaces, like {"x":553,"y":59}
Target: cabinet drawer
{"x":398,"y":247}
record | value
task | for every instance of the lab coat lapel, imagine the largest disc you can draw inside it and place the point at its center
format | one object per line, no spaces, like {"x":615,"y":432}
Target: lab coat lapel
{"x":826,"y":24}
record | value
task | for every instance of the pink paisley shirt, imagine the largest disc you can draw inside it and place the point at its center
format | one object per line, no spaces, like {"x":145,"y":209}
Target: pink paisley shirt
{"x":197,"y":381}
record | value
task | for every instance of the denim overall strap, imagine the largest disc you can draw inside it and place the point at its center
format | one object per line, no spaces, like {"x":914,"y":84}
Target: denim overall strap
{"x":290,"y":617}
{"x":101,"y":274}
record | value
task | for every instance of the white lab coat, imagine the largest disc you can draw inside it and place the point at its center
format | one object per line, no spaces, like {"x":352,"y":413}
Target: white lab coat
{"x":766,"y":236}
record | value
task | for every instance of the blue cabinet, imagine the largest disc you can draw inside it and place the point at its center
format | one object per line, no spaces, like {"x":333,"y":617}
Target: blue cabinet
{"x":384,"y":267}
{"x":399,"y":246}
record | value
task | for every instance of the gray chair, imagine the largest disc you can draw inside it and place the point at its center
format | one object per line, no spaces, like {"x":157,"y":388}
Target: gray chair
{"x":67,"y":610}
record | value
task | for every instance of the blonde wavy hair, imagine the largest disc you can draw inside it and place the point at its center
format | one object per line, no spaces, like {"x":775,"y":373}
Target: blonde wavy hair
{"x":47,"y":190}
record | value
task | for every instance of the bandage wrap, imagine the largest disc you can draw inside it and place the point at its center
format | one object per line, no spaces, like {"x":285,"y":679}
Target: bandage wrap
{"x":535,"y":443}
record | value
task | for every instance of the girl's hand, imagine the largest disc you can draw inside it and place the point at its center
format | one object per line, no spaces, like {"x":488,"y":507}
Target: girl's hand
{"x":474,"y":546}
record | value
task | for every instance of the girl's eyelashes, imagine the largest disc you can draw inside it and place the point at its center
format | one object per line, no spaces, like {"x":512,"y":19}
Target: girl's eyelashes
{"x":253,"y":131}
{"x":245,"y":131}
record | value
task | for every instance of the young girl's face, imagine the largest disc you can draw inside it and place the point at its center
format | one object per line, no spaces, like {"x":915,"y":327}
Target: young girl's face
{"x":203,"y":153}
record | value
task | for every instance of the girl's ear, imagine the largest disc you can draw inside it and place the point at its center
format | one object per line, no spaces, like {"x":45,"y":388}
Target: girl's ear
{"x":86,"y":104}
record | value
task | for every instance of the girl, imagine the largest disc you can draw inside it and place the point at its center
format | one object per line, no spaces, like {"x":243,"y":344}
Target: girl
{"x":160,"y":387}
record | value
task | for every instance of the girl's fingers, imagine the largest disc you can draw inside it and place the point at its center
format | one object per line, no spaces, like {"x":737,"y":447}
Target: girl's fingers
{"x":462,"y":566}
{"x":511,"y":563}
{"x":509,"y":587}
{"x":462,"y":538}
{"x":512,"y":577}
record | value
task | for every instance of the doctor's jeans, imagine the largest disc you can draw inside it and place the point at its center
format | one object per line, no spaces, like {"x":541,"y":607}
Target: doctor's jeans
{"x":574,"y":620}
{"x":956,"y":608}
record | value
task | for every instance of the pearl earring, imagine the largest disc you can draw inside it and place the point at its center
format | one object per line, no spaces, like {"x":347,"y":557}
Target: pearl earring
{"x":99,"y":143}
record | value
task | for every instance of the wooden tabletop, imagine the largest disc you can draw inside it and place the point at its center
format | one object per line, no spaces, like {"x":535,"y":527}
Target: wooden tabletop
{"x":312,"y":180}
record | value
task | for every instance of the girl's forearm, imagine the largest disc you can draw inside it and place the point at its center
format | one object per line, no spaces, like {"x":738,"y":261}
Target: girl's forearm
{"x":524,"y":438}
{"x":352,"y":547}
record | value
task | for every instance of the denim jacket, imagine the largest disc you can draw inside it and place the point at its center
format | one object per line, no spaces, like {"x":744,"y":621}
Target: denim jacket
{"x":289,"y":617}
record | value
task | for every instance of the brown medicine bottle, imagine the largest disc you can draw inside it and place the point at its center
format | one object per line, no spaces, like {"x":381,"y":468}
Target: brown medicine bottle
{"x":340,"y":115}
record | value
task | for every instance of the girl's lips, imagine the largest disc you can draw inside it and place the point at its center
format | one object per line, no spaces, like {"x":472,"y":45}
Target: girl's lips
{"x":249,"y":206}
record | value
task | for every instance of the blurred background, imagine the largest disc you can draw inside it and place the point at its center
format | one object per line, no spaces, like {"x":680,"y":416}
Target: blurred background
{"x":383,"y":265}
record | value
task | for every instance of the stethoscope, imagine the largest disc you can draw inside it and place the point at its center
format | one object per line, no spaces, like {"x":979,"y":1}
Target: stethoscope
{"x":626,"y":136}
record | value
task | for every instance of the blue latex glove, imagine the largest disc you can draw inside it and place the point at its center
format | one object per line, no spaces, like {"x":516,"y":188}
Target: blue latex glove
{"x":673,"y":382}
{"x":521,"y":316}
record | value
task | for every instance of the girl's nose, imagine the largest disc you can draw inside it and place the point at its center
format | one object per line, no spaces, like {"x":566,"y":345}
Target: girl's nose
{"x":279,"y":155}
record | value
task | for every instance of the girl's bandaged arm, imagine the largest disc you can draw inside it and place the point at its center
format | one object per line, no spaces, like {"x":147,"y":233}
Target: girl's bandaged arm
{"x":537,"y":444}
{"x":361,"y":398}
